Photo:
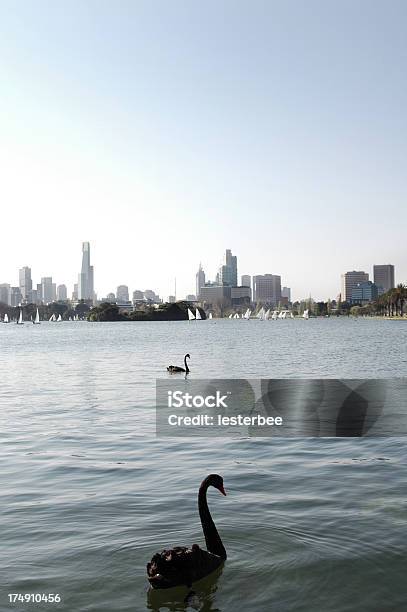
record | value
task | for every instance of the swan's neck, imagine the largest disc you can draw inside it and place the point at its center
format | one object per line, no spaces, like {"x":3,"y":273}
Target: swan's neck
{"x":212,"y":537}
{"x":186,"y":365}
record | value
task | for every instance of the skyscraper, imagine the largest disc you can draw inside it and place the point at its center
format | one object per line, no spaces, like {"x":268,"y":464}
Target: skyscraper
{"x":47,"y":289}
{"x":62,"y":293}
{"x":200,"y":280}
{"x":383,"y":276}
{"x":228,"y":271}
{"x":267,"y":289}
{"x":85,"y":278}
{"x":122,"y":293}
{"x":25,"y":283}
{"x":350,"y":280}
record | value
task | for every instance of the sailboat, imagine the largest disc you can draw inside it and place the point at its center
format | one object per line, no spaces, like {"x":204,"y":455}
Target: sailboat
{"x":197,"y":315}
{"x":281,"y":315}
{"x":230,"y":316}
{"x":52,"y":318}
{"x":306,"y":314}
{"x":5,"y":318}
{"x":210,"y":315}
{"x":291,"y":315}
{"x":236,"y":316}
{"x":261,"y":313}
{"x":59,"y":319}
{"x":191,"y":315}
{"x":247,"y":314}
{"x":20,"y":318}
{"x":274,"y":315}
{"x":37,"y":318}
{"x":267,"y":315}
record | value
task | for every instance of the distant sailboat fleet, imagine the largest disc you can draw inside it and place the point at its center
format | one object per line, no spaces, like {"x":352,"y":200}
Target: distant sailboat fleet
{"x":36,"y":320}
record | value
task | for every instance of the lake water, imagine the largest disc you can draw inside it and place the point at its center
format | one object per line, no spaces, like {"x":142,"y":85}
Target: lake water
{"x":89,"y":493}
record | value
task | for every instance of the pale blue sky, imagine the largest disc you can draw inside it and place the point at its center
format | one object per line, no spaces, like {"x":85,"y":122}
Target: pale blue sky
{"x":166,"y":132}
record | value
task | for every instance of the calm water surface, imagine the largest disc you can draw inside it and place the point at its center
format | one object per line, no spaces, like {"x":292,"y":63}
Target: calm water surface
{"x":89,"y":493}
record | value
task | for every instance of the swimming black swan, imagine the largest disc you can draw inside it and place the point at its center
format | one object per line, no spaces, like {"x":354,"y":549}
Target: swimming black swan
{"x":182,"y":565}
{"x":173,"y":369}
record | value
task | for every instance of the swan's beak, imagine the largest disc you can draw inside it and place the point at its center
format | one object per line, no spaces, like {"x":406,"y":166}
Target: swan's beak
{"x":222,"y":490}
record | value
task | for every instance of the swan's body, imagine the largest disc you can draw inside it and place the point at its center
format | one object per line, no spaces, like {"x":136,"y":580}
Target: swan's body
{"x":172,"y":369}
{"x":182,"y":565}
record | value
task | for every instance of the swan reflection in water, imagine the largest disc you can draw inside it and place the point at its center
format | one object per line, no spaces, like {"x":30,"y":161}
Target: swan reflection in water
{"x":178,"y":599}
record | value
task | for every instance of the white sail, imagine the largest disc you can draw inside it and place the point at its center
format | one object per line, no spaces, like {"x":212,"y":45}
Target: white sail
{"x":59,"y":318}
{"x":247,"y":314}
{"x":210,"y":315}
{"x":267,"y":315}
{"x":261,"y":313}
{"x":274,"y":315}
{"x":197,"y":314}
{"x":191,"y":315}
{"x":306,"y":314}
{"x":37,"y":317}
{"x":20,"y":318}
{"x":230,"y":316}
{"x":6,"y":318}
{"x":236,"y":316}
{"x":291,"y":315}
{"x":280,"y":315}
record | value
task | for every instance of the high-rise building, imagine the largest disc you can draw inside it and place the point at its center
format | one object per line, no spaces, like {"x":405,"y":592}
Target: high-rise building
{"x":15,"y":296}
{"x":246,"y":280}
{"x":85,"y":279}
{"x":151,"y":296}
{"x":227,"y":274}
{"x":286,"y":293}
{"x":5,"y":294}
{"x":200,"y":280}
{"x":349,"y":281}
{"x":267,"y":289}
{"x":171,"y":299}
{"x":122,"y":293}
{"x":47,"y":289}
{"x":138,"y":296}
{"x":25,"y":282}
{"x":383,"y":276}
{"x":62,"y":293}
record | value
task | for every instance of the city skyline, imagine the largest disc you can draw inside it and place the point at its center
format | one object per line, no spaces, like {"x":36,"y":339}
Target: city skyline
{"x":276,"y":138}
{"x":263,"y":287}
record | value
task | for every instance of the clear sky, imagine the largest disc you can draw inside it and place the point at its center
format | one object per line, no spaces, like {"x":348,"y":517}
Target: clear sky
{"x":166,"y":132}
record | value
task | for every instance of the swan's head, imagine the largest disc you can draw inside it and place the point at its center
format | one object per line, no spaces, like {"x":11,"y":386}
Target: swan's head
{"x":188,"y":355}
{"x":214,"y":480}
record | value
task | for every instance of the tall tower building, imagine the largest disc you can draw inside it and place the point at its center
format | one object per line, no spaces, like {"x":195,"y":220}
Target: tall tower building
{"x":383,"y":277}
{"x":62,"y":293}
{"x":200,"y":280}
{"x":47,"y":289}
{"x":228,"y":271}
{"x":25,"y":283}
{"x":350,"y":280}
{"x":85,"y":278}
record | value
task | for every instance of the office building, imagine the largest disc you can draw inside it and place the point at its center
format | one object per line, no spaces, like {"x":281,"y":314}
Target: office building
{"x":383,"y":276}
{"x":151,"y":296}
{"x":267,"y":289}
{"x":240,"y":295}
{"x":349,"y":281}
{"x":200,"y":280}
{"x":5,"y":294}
{"x":85,"y":279}
{"x":286,"y":293}
{"x":62,"y":293}
{"x":171,"y":299}
{"x":15,"y":296}
{"x":25,"y":283}
{"x":138,"y":296}
{"x":227,"y":274}
{"x":122,"y":293}
{"x":363,"y":293}
{"x":48,"y":290}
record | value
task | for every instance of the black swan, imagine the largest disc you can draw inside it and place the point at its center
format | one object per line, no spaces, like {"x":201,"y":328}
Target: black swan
{"x":182,"y":565}
{"x":173,"y":369}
